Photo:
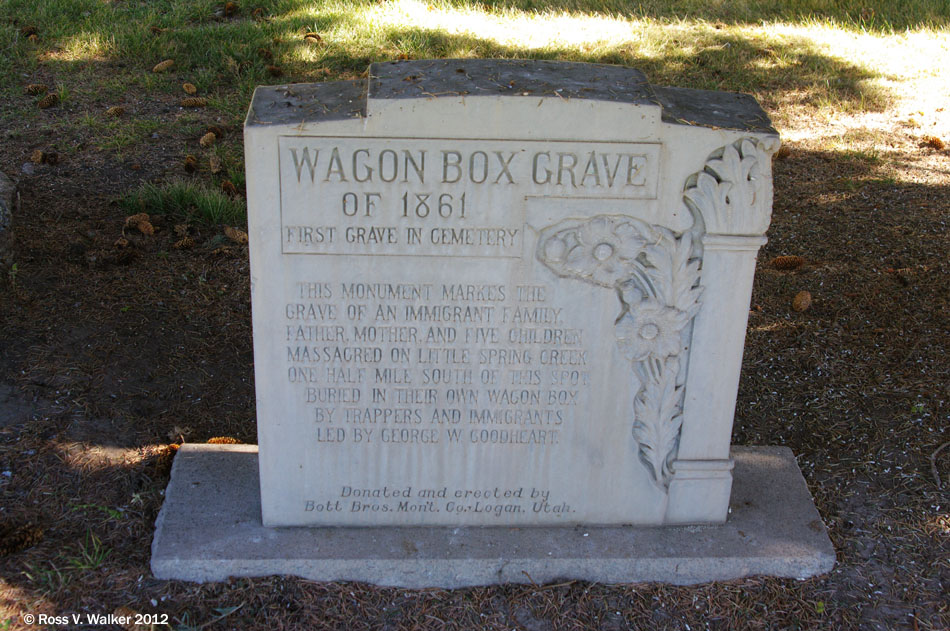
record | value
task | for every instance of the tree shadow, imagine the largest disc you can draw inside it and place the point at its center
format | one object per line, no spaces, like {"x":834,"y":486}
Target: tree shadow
{"x":224,"y":55}
{"x":777,"y":71}
{"x":867,"y":15}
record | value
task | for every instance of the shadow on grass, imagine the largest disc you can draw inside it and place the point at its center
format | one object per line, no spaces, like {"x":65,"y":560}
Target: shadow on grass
{"x":228,"y":57}
{"x":775,"y":70}
{"x":864,"y":15}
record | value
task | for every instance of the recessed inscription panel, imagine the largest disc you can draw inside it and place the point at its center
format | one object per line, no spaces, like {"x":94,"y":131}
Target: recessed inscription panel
{"x":463,"y":395}
{"x":430,"y":368}
{"x":430,"y":197}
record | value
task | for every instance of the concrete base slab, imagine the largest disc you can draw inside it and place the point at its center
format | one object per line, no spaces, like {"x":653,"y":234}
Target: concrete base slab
{"x":210,"y":528}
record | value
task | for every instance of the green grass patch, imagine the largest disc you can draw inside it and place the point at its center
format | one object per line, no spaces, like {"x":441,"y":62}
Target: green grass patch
{"x":186,"y":200}
{"x":825,"y":55}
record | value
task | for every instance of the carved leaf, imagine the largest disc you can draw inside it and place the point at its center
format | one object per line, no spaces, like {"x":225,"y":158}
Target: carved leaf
{"x":658,"y":421}
{"x":686,"y":289}
{"x":733,"y":192}
{"x":707,"y":196}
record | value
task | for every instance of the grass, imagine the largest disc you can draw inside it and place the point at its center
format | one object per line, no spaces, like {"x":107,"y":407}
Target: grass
{"x":186,"y":200}
{"x":90,"y":554}
{"x":47,"y":578}
{"x":764,"y":47}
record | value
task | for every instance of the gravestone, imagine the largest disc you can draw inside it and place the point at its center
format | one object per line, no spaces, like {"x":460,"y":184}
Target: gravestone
{"x":498,"y":293}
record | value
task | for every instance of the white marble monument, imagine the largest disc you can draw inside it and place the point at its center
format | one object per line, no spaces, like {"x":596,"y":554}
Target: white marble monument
{"x":500,"y":293}
{"x":496,"y":293}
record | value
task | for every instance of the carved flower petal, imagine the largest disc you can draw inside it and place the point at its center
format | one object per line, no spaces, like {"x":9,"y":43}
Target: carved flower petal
{"x":597,"y":230}
{"x":580,"y":260}
{"x":555,"y":249}
{"x":608,"y":273}
{"x":633,"y":347}
{"x":652,"y":326}
{"x":630,"y":248}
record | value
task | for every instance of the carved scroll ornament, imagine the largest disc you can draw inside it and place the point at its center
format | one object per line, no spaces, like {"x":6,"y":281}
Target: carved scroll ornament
{"x":656,"y":278}
{"x":733,"y":193}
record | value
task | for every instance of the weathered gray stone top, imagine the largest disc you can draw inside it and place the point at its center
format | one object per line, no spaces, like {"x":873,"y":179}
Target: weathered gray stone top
{"x":435,"y":78}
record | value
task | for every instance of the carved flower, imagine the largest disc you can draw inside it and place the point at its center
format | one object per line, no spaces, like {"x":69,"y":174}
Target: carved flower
{"x":650,"y":329}
{"x":601,"y":250}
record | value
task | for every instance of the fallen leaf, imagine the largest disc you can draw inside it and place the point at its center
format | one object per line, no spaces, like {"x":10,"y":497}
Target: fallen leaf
{"x":178,"y":432}
{"x":141,"y":222}
{"x":163,"y":463}
{"x":223,"y":440}
{"x":49,"y":100}
{"x":236,"y":235}
{"x":933,"y":142}
{"x":14,"y":538}
{"x":207,"y":140}
{"x":787,"y":263}
{"x":163,"y":65}
{"x":189,"y":88}
{"x":801,"y":301}
{"x":195,"y":101}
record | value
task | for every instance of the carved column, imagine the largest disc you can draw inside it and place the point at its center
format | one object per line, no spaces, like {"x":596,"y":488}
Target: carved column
{"x":732,"y":198}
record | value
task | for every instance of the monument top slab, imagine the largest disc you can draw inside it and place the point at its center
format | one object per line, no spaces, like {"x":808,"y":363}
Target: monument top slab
{"x":463,"y":78}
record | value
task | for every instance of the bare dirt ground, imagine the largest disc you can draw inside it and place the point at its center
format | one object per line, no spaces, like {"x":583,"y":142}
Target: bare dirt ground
{"x":107,"y":354}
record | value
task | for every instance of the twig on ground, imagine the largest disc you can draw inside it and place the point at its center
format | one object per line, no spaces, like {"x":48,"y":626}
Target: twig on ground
{"x":933,"y":464}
